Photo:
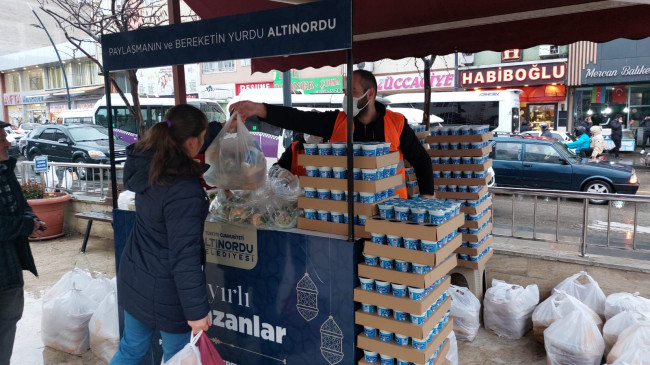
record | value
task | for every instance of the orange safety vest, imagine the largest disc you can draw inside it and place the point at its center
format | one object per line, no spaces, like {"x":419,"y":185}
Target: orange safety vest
{"x":393,"y":126}
{"x":295,"y":168}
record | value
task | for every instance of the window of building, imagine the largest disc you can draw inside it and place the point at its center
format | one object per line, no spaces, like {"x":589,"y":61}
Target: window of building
{"x":220,"y":66}
{"x":12,"y":82}
{"x":246,"y":62}
{"x":55,"y":78}
{"x":84,"y":73}
{"x":33,"y":80}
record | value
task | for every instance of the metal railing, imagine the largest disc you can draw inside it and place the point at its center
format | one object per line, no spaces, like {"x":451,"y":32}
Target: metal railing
{"x":92,"y":180}
{"x":558,"y":195}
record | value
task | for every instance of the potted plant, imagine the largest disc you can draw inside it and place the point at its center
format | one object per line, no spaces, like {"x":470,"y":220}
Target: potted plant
{"x":48,"y":207}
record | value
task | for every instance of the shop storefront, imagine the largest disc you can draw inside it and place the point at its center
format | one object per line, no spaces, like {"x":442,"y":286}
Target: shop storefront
{"x":612,"y":78}
{"x":25,"y":108}
{"x":543,"y":97}
{"x":414,"y":82}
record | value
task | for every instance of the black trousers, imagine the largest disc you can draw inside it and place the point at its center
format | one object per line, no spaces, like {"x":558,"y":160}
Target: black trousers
{"x":11,"y":309}
{"x":617,"y":144}
{"x":646,"y":136}
{"x":586,"y":152}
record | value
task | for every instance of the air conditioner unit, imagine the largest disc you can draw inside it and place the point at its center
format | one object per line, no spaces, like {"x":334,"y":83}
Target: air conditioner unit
{"x":549,"y":50}
{"x":466,"y":59}
{"x":368,"y":66}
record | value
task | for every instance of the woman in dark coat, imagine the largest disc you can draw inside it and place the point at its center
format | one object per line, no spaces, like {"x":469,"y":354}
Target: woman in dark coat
{"x":161,"y":283}
{"x":617,"y":134}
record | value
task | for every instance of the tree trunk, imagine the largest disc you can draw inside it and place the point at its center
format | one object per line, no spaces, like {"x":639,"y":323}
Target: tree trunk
{"x":133,"y":82}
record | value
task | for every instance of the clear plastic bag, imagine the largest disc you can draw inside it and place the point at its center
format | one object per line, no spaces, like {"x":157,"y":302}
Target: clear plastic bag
{"x":236,"y":159}
{"x":76,"y":277}
{"x":508,"y":308}
{"x":636,"y":357}
{"x":104,"y":328}
{"x":619,"y":302}
{"x":583,"y":287}
{"x":452,"y":355}
{"x":98,"y":288}
{"x":556,"y":307}
{"x":631,"y":340}
{"x":575,"y":340}
{"x":188,"y":355}
{"x":64,"y":325}
{"x":465,"y":310}
{"x":619,"y":323}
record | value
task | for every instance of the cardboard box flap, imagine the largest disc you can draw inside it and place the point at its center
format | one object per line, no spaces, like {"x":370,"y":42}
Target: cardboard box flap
{"x":475,"y":251}
{"x":416,"y":256}
{"x":478,"y":209}
{"x":407,"y":278}
{"x":463,"y":181}
{"x":476,"y":265}
{"x":477,"y":237}
{"x":401,"y":304}
{"x":368,"y":209}
{"x":361,"y":162}
{"x":478,"y":223}
{"x":342,"y":184}
{"x":414,"y":230}
{"x":462,"y":196}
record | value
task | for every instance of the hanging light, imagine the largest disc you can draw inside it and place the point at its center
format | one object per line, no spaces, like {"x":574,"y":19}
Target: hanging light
{"x":590,"y":112}
{"x":607,"y":110}
{"x":626,"y":110}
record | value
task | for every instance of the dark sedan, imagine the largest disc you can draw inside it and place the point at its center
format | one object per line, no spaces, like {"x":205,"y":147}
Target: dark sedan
{"x":78,"y":143}
{"x":541,"y":163}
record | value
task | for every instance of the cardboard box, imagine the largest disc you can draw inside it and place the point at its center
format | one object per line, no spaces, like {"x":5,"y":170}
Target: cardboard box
{"x":407,"y":353}
{"x":416,"y":256}
{"x":466,"y":138}
{"x":342,"y":184}
{"x":407,"y":278}
{"x":477,"y":250}
{"x":476,"y":265}
{"x":471,"y":167}
{"x":341,"y":206}
{"x":477,"y":237}
{"x":405,"y":328}
{"x":462,"y":196}
{"x":342,"y":161}
{"x":440,"y":360}
{"x":330,"y":227}
{"x":478,"y":223}
{"x":411,"y":177}
{"x":412,"y":191}
{"x":467,"y":182}
{"x":423,"y":135}
{"x":414,"y":230}
{"x":401,"y":304}
{"x":478,"y":209}
{"x":474,"y":152}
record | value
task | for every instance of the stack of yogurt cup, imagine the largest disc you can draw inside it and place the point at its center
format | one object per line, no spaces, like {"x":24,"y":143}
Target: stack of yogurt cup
{"x":419,"y":210}
{"x":464,"y":130}
{"x":367,"y":149}
{"x":454,"y":146}
{"x":474,"y":258}
{"x":342,"y":195}
{"x":357,"y":173}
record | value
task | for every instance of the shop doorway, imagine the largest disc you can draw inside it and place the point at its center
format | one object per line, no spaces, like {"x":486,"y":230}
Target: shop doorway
{"x":542,"y":113}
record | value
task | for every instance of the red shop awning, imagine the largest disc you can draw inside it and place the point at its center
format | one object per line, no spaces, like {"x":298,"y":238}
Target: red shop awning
{"x":417,"y":28}
{"x":542,"y":93}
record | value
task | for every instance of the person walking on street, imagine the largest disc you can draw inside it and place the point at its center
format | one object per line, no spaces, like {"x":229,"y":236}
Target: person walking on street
{"x":525,"y":126}
{"x":617,"y":134}
{"x":587,"y":124}
{"x":546,"y":131}
{"x":17,"y":223}
{"x":645,"y":123}
{"x":582,"y":142}
{"x":373,"y":122}
{"x":161,"y":283}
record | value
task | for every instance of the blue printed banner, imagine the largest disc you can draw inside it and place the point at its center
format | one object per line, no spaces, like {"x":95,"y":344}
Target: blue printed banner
{"x":319,"y":26}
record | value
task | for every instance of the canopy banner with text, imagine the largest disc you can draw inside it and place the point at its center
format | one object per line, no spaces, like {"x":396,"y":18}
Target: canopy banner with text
{"x":319,"y":26}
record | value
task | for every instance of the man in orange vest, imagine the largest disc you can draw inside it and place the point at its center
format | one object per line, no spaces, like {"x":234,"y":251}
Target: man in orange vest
{"x":373,"y":122}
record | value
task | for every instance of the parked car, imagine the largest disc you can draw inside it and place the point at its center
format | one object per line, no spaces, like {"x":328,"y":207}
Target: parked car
{"x":11,"y":137}
{"x":78,"y":143}
{"x":559,"y":136}
{"x":26,"y":127}
{"x":543,"y":163}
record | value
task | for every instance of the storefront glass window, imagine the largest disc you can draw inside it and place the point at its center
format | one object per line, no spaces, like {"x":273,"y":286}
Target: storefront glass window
{"x":601,"y":103}
{"x":541,"y":113}
{"x":639,"y":102}
{"x":33,"y":80}
{"x":12,"y":82}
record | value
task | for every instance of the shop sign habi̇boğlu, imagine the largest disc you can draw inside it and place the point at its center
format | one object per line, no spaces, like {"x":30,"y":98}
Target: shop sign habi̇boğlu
{"x":529,"y":74}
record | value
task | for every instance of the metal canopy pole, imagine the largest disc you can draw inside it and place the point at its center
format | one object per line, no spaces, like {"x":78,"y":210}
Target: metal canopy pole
{"x":349,"y":148}
{"x":111,"y":139}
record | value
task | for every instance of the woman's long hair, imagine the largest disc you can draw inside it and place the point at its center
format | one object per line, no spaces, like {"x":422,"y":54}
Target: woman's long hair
{"x":167,"y":140}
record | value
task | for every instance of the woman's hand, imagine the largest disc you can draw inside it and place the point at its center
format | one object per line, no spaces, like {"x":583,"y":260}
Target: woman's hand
{"x":201,"y":324}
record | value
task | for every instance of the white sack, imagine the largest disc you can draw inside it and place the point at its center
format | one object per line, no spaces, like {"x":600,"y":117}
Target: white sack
{"x":104,"y":328}
{"x":575,"y":340}
{"x":556,"y":307}
{"x":508,"y":308}
{"x":465,"y":310}
{"x":619,"y":302}
{"x":619,"y":323}
{"x":633,"y":339}
{"x":583,"y":287}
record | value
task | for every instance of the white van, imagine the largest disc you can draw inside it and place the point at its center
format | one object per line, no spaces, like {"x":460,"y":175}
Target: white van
{"x":85,"y":116}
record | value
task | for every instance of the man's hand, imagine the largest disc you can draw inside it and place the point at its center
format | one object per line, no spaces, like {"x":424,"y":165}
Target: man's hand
{"x":248,"y":109}
{"x":201,"y":324}
{"x":39,"y":228}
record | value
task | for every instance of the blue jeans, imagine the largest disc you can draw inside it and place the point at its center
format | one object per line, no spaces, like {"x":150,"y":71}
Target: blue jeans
{"x":136,"y":341}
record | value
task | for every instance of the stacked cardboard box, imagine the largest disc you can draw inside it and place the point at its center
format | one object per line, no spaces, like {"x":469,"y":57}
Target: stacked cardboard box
{"x":341,"y":206}
{"x":436,"y":304}
{"x":477,"y":238}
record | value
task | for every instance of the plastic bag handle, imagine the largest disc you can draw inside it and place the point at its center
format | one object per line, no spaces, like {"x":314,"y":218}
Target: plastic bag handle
{"x":194,"y":338}
{"x":226,"y":127}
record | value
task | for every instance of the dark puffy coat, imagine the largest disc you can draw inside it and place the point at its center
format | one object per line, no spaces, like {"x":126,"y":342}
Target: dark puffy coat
{"x":587,"y":127}
{"x":161,"y":281}
{"x":15,"y":253}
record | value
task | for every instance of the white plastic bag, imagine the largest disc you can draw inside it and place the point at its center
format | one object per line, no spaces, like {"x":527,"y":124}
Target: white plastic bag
{"x":583,"y":287}
{"x":508,"y":309}
{"x":189,"y":355}
{"x":64,"y":325}
{"x":619,"y":302}
{"x":631,"y":340}
{"x":452,"y":355}
{"x":556,"y":307}
{"x":635,"y":357}
{"x":126,"y":200}
{"x":619,"y":323}
{"x":465,"y":310}
{"x":76,"y":277}
{"x":236,"y":159}
{"x":98,"y":288}
{"x":104,"y":328}
{"x":575,"y":340}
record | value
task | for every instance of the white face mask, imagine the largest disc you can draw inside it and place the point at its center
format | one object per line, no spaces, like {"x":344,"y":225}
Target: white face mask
{"x":312,"y":139}
{"x":355,"y":101}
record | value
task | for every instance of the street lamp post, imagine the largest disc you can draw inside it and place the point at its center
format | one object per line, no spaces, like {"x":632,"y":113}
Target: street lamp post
{"x":65,"y":78}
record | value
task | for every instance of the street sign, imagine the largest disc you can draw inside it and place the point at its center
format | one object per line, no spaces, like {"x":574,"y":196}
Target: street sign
{"x":40,"y":164}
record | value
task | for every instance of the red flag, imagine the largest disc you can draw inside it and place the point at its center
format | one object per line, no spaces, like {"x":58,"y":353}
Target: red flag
{"x":618,"y":94}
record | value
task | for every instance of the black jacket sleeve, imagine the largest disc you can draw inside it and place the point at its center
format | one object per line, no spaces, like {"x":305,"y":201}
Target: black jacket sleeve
{"x":418,"y":157}
{"x":286,"y":159}
{"x":319,"y":124}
